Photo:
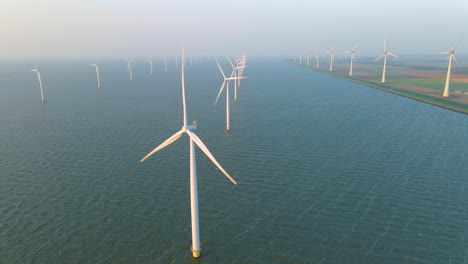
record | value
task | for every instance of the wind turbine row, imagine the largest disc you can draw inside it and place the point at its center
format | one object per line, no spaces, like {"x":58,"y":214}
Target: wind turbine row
{"x":193,"y":140}
{"x":383,"y":55}
{"x":236,"y":75}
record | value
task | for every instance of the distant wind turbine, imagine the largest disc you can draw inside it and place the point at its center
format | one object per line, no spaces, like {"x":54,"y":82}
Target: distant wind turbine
{"x":308,"y":53}
{"x":97,"y":75}
{"x":236,"y":70}
{"x":38,"y":72}
{"x":384,"y":55}
{"x":332,"y":58}
{"x":451,"y":54}
{"x":194,"y":140}
{"x":150,"y":60}
{"x":317,"y":56}
{"x":353,"y":58}
{"x":129,"y":69}
{"x":226,"y":83}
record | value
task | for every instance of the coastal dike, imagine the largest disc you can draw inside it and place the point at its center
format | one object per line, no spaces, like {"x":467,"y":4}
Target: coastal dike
{"x":388,"y":87}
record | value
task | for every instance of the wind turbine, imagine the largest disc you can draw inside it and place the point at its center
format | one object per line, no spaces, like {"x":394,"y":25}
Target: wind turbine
{"x":451,"y":54}
{"x":226,"y":83}
{"x":235,"y":69}
{"x":317,"y":55}
{"x":38,"y":72}
{"x":193,"y":139}
{"x":151,"y":65}
{"x":353,"y":58}
{"x":129,"y":68}
{"x":384,"y":55}
{"x":97,"y":75}
{"x":332,"y":58}
{"x":307,"y":52}
{"x":165,"y":65}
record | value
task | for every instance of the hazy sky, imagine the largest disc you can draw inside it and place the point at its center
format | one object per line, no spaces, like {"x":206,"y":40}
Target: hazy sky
{"x":118,"y":28}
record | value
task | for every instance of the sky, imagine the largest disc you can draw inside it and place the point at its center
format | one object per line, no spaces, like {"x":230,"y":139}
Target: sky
{"x":31,"y":29}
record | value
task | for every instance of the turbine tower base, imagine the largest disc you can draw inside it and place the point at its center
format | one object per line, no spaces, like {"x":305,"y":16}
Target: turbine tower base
{"x":195,"y":253}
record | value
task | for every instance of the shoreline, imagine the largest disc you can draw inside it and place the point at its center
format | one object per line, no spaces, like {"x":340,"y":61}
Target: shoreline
{"x":439,"y":102}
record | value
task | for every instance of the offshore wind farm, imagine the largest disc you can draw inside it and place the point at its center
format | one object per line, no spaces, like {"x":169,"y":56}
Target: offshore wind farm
{"x":308,"y":142}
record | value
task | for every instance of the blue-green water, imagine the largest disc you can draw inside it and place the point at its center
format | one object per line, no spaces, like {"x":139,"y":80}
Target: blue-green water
{"x":329,"y":171}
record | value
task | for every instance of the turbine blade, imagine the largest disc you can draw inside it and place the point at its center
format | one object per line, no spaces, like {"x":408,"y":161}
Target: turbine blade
{"x":378,"y":58}
{"x":230,"y":62}
{"x":385,"y":45}
{"x":355,"y":46}
{"x":456,"y":44}
{"x":220,"y":91}
{"x":220,"y":68}
{"x":183,"y":87}
{"x":455,"y":59}
{"x":202,"y":146}
{"x":164,"y":144}
{"x":391,"y":54}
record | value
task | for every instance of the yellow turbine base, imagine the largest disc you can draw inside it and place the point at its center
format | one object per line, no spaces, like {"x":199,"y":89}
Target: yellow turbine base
{"x":196,"y":253}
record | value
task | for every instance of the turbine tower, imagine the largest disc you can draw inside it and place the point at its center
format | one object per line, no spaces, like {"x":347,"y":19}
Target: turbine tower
{"x":317,"y":55}
{"x":150,"y":60}
{"x":226,"y":83}
{"x":194,"y":140}
{"x":129,"y":69}
{"x":38,"y":72}
{"x":97,"y":75}
{"x":451,"y":54}
{"x":353,"y":58}
{"x":384,"y":55}
{"x":332,"y":58}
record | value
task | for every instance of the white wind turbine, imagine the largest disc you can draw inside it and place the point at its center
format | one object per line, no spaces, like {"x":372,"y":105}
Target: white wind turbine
{"x":38,"y":72}
{"x":332,"y":58}
{"x":165,"y":65}
{"x":97,"y":75}
{"x":451,"y":54}
{"x":384,"y":54}
{"x":317,"y":56}
{"x":129,"y":69}
{"x":193,"y":139}
{"x":150,"y":61}
{"x":308,"y":53}
{"x":353,"y":58}
{"x":226,"y":83}
{"x":236,"y":73}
